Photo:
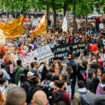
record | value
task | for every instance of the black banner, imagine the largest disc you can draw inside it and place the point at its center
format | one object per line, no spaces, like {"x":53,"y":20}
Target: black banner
{"x":61,"y":51}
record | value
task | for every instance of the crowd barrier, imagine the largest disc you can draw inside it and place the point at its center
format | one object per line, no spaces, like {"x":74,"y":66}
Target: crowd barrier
{"x":61,"y":51}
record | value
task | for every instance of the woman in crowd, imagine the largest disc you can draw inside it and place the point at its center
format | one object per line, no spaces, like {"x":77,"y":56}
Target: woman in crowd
{"x":64,"y":78}
{"x":82,"y":69}
{"x":100,"y":60}
{"x":101,"y":87}
{"x":70,"y":75}
{"x":89,"y":80}
{"x":57,"y":66}
{"x":96,"y":80}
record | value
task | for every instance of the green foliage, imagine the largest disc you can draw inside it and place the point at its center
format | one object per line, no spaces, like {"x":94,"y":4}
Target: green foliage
{"x":81,"y":5}
{"x":21,"y":5}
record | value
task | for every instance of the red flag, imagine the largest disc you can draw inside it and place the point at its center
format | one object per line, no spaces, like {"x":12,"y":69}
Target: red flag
{"x":26,"y":20}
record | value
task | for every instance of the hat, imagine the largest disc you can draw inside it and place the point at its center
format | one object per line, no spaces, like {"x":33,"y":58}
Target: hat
{"x":30,"y":74}
{"x":49,"y":76}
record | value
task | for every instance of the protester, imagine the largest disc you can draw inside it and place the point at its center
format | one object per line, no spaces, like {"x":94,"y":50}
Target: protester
{"x":83,"y":96}
{"x":74,"y":67}
{"x":57,"y":67}
{"x":95,"y":81}
{"x":59,"y":94}
{"x":27,"y":83}
{"x":16,"y":96}
{"x":100,"y":100}
{"x":34,"y":88}
{"x":101,"y":86}
{"x":47,"y":81}
{"x":82,"y":69}
{"x":18,"y":70}
{"x":5,"y":74}
{"x":39,"y":98}
{"x":89,"y":80}
{"x":81,"y":90}
{"x":97,"y":23}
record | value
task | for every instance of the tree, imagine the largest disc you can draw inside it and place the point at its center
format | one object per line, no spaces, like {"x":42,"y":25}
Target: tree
{"x":21,"y":5}
{"x":99,"y":4}
{"x":85,"y":7}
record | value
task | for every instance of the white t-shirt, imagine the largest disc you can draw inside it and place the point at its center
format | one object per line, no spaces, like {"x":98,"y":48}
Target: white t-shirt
{"x":39,"y":70}
{"x":2,"y":89}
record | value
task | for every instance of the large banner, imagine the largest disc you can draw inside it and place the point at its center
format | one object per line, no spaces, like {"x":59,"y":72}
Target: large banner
{"x":61,"y":51}
{"x":13,"y":28}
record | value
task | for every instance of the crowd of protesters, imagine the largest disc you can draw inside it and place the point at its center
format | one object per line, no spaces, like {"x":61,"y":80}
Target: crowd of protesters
{"x":44,"y":84}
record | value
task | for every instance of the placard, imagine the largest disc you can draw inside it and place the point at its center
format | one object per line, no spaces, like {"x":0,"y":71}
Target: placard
{"x":43,"y":53}
{"x":39,"y":55}
{"x":27,"y":59}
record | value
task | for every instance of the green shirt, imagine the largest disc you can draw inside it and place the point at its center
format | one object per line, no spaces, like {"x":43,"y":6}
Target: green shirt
{"x":19,"y":70}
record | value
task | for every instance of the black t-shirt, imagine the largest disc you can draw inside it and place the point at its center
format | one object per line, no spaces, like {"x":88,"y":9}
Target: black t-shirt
{"x":32,"y":91}
{"x":69,"y":53}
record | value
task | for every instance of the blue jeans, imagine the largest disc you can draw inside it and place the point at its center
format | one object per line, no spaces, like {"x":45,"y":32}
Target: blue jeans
{"x":73,"y":87}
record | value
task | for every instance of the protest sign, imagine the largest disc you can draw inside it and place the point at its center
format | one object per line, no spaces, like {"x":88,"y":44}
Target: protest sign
{"x":43,"y":53}
{"x":101,"y":25}
{"x":103,"y":42}
{"x":61,"y":51}
{"x":27,"y":59}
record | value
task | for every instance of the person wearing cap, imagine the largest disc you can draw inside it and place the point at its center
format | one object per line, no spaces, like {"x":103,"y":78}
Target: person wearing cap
{"x":27,"y":84}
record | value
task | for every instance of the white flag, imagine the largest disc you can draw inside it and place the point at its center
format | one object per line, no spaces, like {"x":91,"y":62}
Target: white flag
{"x":2,"y":37}
{"x":65,"y":25}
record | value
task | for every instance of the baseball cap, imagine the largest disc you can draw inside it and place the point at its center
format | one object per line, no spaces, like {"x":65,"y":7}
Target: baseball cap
{"x":30,"y":74}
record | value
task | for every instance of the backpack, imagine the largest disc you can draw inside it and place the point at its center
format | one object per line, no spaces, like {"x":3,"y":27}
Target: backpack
{"x":84,"y":101}
{"x":58,"y":96}
{"x":12,"y":80}
{"x":47,"y":89}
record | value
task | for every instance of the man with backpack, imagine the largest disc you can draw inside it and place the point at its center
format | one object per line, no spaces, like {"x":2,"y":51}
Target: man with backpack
{"x":60,"y":95}
{"x":18,"y":70}
{"x":27,"y":84}
{"x":82,"y":96}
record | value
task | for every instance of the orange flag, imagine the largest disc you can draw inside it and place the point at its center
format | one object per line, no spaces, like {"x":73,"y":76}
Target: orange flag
{"x":42,"y":27}
{"x":13,"y":28}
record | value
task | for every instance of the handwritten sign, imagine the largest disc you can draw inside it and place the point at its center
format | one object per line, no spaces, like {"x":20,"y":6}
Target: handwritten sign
{"x":43,"y":53}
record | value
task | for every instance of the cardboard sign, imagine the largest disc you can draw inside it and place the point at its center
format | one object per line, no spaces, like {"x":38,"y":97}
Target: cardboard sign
{"x":101,"y":25}
{"x":27,"y":59}
{"x":103,"y":42}
{"x":43,"y":53}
